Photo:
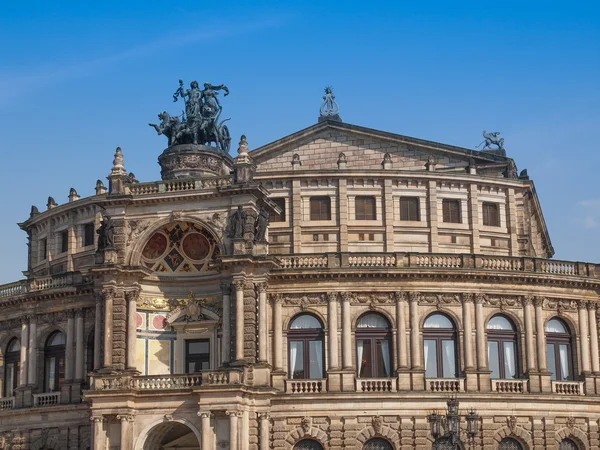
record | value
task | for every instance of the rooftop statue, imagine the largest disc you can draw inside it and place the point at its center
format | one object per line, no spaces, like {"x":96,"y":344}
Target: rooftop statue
{"x":492,"y":139}
{"x":199,"y":122}
{"x":329,"y":108}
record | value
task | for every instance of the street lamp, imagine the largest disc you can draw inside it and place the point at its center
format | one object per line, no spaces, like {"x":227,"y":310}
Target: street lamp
{"x":449,"y":426}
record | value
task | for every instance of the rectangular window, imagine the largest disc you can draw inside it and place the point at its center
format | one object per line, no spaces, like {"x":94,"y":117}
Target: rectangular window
{"x":491,"y":214}
{"x":197,"y":355}
{"x":451,"y":211}
{"x":88,"y":234}
{"x":430,"y":350}
{"x":315,"y":355}
{"x":409,"y":208}
{"x":280,"y":202}
{"x":494,"y":359}
{"x":320,"y":208}
{"x":44,"y":248}
{"x":297,"y":359}
{"x":64,"y":241}
{"x":365,"y":209}
{"x":551,"y":361}
{"x":448,"y":359}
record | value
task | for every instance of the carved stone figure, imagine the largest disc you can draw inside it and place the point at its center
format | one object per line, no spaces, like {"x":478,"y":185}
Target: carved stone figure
{"x":106,"y":234}
{"x":492,"y":139}
{"x":329,"y":108}
{"x":237,"y":223}
{"x":262,"y":222}
{"x":170,"y":127}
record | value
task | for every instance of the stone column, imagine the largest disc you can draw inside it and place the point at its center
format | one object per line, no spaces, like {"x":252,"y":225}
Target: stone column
{"x":32,"y":354}
{"x":97,"y":433}
{"x":401,"y":328}
{"x":79,"y":345}
{"x":205,"y":430}
{"x":433,"y":216}
{"x":540,"y":334}
{"x":346,"y":332}
{"x":264,"y":431}
{"x":334,"y":362}
{"x":583,"y":338}
{"x":529,"y":344}
{"x":239,"y":319}
{"x":108,"y":327}
{"x":233,"y":429}
{"x":262,"y":322}
{"x":474,"y":217}
{"x":126,"y":420}
{"x":226,"y":347}
{"x":69,"y":345}
{"x":480,"y":332}
{"x":415,"y":348}
{"x":593,"y":324}
{"x":467,"y":303}
{"x":131,"y":297}
{"x":277,"y":333}
{"x":24,"y":338}
{"x":98,"y":333}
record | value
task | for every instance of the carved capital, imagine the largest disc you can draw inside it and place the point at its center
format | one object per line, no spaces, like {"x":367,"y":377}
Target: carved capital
{"x":26,"y":319}
{"x":226,"y":287}
{"x":125,"y":417}
{"x":332,"y":297}
{"x":526,"y":300}
{"x":400,"y":296}
{"x":70,"y":313}
{"x":538,"y":301}
{"x":237,"y":414}
{"x":109,"y":293}
{"x":262,"y":286}
{"x":414,"y":296}
{"x":592,"y":306}
{"x":468,"y":297}
{"x":263,"y":416}
{"x":480,"y":299}
{"x":97,"y":419}
{"x":132,"y":294}
{"x":347,"y":296}
{"x":582,"y":304}
{"x":239,"y":285}
{"x":205,"y":415}
{"x":276,"y":298}
{"x":79,"y":313}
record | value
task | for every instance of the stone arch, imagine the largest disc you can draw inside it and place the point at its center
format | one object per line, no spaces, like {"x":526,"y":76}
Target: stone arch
{"x":44,"y":444}
{"x":573,"y":329}
{"x":386,"y":433}
{"x":510,"y":315}
{"x":453,"y":317}
{"x":179,"y":311}
{"x":518,"y":433}
{"x":146,"y":432}
{"x":6,"y":338}
{"x":312,"y":433}
{"x":575,"y":434}
{"x":135,"y":255}
{"x":375,"y":310}
{"x":298,"y":311}
{"x":42,"y":336}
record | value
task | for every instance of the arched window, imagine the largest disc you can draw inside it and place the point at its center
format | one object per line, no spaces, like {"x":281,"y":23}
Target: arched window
{"x":445,"y":443}
{"x":373,"y":346}
{"x":558,"y":350}
{"x":308,"y":444}
{"x":439,"y":347}
{"x":509,"y":444}
{"x":502,"y":348}
{"x":377,"y":444}
{"x":54,"y":361}
{"x":12,"y":364}
{"x":305,"y":342}
{"x":568,"y":444}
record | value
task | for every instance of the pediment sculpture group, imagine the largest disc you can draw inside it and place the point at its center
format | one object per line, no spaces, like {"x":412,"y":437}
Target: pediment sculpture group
{"x":236,"y":227}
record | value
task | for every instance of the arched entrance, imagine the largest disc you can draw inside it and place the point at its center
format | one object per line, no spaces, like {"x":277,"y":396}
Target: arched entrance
{"x":170,"y":435}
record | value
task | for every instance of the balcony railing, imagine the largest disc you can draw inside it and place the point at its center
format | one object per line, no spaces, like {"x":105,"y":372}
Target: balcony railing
{"x":157,"y":187}
{"x":445,"y":384}
{"x":568,"y":387}
{"x":46,"y":399}
{"x":7,"y":403}
{"x":305,"y":386}
{"x":300,"y":261}
{"x":510,"y":386}
{"x":376,"y":385}
{"x":43,"y":283}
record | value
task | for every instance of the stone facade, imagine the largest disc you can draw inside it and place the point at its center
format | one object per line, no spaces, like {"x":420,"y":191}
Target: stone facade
{"x":100,"y":349}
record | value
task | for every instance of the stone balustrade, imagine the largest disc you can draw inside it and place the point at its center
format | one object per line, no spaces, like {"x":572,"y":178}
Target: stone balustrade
{"x":376,"y":385}
{"x":305,"y":386}
{"x":46,"y":399}
{"x":568,"y":387}
{"x":43,"y":283}
{"x":436,"y":261}
{"x":7,"y":403}
{"x":158,"y":187}
{"x":445,"y":384}
{"x":510,"y":386}
{"x":222,"y":377}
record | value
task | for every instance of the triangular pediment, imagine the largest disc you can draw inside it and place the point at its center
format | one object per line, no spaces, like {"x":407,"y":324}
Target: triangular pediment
{"x":324,"y":145}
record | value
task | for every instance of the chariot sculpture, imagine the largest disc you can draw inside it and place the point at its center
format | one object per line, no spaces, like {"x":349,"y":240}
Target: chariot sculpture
{"x":200,"y":122}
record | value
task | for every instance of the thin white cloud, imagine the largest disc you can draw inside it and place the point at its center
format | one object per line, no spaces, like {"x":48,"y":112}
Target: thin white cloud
{"x":590,"y":223}
{"x":592,"y":204}
{"x":12,"y":86}
{"x":591,"y":220}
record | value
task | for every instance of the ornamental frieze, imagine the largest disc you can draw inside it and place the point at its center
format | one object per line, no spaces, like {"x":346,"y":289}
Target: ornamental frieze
{"x":304,"y":301}
{"x":214,"y":304}
{"x":135,"y":228}
{"x":503,"y":301}
{"x":372,"y":298}
{"x":439,"y":300}
{"x":560,"y":305}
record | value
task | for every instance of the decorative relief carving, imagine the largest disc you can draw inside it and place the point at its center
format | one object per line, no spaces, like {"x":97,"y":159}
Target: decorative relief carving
{"x":304,"y":301}
{"x":503,"y":301}
{"x":526,"y":300}
{"x":135,"y":228}
{"x":306,"y":424}
{"x":214,"y":304}
{"x":377,"y":423}
{"x":372,"y":298}
{"x":538,"y":301}
{"x":332,"y":296}
{"x":414,"y":296}
{"x":468,"y":297}
{"x":439,"y":300}
{"x":480,"y":298}
{"x":571,"y":422}
{"x":400,"y":296}
{"x":560,"y":305}
{"x":511,"y":422}
{"x":276,"y":298}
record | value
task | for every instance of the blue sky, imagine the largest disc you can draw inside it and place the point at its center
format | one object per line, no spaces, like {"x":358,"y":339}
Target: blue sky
{"x":78,"y":79}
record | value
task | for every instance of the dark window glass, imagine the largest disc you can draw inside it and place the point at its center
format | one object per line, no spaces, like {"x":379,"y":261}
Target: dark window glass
{"x":568,"y":444}
{"x":308,"y":444}
{"x":44,"y":248}
{"x":88,"y":234}
{"x":509,"y":444}
{"x":451,"y":211}
{"x":364,"y":208}
{"x":491,"y":214}
{"x":12,"y":363}
{"x":373,"y":346}
{"x":320,"y":208}
{"x":445,"y":443}
{"x":558,"y":350}
{"x":54,"y":362}
{"x":278,"y":217}
{"x":409,"y":208}
{"x":502,"y":348}
{"x":64,"y":241}
{"x":377,"y":444}
{"x":197,"y":355}
{"x":439,"y":347}
{"x":306,"y":348}
{"x":90,"y":353}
